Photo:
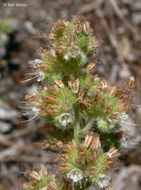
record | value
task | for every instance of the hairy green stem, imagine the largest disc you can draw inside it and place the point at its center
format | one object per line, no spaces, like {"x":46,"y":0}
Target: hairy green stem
{"x":88,"y":126}
{"x":76,"y":124}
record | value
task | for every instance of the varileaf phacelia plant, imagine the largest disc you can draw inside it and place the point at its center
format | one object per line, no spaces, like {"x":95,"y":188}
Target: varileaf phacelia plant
{"x":91,"y":111}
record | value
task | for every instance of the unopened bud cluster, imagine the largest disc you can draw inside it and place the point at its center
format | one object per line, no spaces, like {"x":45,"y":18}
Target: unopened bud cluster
{"x":75,"y":100}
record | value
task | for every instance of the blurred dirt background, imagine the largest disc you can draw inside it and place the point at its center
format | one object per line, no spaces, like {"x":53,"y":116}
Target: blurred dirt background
{"x":117,"y":23}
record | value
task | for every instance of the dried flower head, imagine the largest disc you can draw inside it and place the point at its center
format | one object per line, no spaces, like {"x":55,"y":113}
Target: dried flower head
{"x":86,"y":160}
{"x":52,"y":109}
{"x":58,"y":29}
{"x":74,"y":85}
{"x":92,"y":141}
{"x":39,"y":180}
{"x":87,"y":28}
{"x":59,"y":83}
{"x":81,"y":25}
{"x":93,"y":44}
{"x":77,"y":23}
{"x":35,"y":175}
{"x":90,"y":67}
{"x":113,"y":153}
{"x":131,"y":82}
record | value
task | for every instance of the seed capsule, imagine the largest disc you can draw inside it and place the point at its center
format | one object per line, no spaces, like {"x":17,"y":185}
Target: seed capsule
{"x":74,"y":85}
{"x":131,"y":82}
{"x":90,"y":67}
{"x":49,"y":99}
{"x":93,"y":44}
{"x":92,"y":141}
{"x":104,"y":84}
{"x":26,"y":185}
{"x":113,"y":153}
{"x":46,"y":145}
{"x":35,"y":175}
{"x":42,"y":66}
{"x":59,"y":83}
{"x":88,"y":141}
{"x":64,"y":157}
{"x":60,"y":47}
{"x":52,"y":186}
{"x":58,"y":26}
{"x":63,"y":167}
{"x":43,"y":170}
{"x":87,"y":28}
{"x":91,"y":171}
{"x":77,"y":23}
{"x":52,"y":109}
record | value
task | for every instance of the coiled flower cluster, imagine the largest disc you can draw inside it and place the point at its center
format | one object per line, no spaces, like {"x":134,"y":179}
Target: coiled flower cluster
{"x":92,"y":112}
{"x":41,"y":180}
{"x":86,"y":163}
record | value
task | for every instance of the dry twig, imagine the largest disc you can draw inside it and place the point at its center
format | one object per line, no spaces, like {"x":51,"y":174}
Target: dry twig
{"x":121,"y":16}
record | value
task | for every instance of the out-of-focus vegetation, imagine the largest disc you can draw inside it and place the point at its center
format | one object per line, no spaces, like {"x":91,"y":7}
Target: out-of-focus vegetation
{"x":5,"y":27}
